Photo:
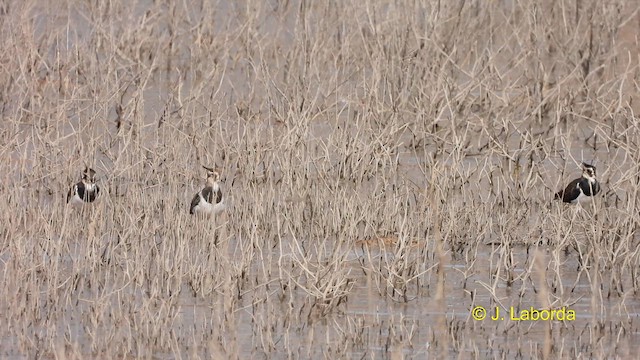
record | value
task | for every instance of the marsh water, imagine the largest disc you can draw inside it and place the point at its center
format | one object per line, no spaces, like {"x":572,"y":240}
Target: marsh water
{"x":388,"y":167}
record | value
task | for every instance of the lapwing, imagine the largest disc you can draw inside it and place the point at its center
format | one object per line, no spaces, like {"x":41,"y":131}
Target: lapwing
{"x":86,"y":191}
{"x":581,"y":189}
{"x":209,"y":200}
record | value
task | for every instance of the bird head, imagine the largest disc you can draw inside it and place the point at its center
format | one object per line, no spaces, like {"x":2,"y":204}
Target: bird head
{"x":588,"y":171}
{"x":213,"y":174}
{"x":89,"y":175}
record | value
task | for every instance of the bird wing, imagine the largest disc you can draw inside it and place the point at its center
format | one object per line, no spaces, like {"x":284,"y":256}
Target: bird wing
{"x":570,"y":193}
{"x":81,"y":191}
{"x":194,"y":202}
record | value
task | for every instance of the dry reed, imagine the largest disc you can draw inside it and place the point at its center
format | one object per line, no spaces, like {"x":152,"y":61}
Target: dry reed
{"x":387,"y":166}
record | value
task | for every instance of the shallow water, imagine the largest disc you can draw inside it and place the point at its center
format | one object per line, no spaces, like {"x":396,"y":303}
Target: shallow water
{"x":323,"y":150}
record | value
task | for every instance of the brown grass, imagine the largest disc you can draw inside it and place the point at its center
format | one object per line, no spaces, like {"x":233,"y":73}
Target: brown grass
{"x":448,"y":125}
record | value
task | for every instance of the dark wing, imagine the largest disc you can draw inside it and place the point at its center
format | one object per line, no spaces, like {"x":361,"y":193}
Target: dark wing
{"x":81,"y":191}
{"x":194,"y":202}
{"x":570,"y":193}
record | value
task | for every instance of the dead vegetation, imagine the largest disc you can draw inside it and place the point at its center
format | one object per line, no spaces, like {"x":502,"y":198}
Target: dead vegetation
{"x":387,"y":166}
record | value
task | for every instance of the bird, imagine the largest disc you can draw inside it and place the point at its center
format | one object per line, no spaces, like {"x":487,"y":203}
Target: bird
{"x":85,"y":191}
{"x":581,"y":189}
{"x":209,"y":200}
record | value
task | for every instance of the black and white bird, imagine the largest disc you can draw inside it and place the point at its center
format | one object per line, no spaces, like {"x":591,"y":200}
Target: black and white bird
{"x":86,"y":191}
{"x":581,"y":189}
{"x":209,"y":200}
